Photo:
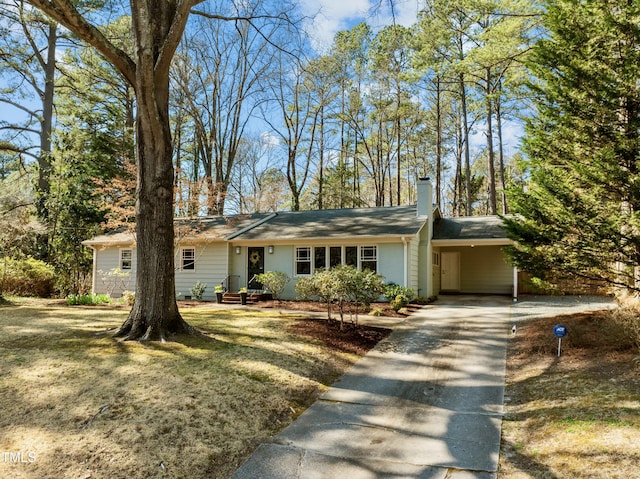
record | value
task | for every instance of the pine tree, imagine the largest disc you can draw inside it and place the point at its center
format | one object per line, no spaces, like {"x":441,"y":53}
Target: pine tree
{"x":579,"y":213}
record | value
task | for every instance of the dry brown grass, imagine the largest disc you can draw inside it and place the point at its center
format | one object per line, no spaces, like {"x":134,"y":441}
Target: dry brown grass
{"x":577,"y":416}
{"x":79,"y":404}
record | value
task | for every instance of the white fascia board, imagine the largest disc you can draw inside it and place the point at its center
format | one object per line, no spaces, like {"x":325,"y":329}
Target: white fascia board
{"x":472,"y":242}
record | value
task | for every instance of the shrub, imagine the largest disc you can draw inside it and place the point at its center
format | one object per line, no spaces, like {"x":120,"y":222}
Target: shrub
{"x":88,"y":299}
{"x":26,"y":277}
{"x":274,"y":282}
{"x":128,"y":297}
{"x":343,"y":286}
{"x":198,"y":290}
{"x":399,"y":302}
{"x":392,"y":290}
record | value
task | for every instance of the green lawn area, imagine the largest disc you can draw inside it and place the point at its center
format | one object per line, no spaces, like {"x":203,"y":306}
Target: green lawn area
{"x":77,"y":403}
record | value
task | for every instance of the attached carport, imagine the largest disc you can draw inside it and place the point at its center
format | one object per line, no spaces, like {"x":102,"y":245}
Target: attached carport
{"x":469,"y":258}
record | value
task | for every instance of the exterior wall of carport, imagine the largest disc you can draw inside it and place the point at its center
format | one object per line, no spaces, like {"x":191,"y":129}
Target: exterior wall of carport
{"x":483,"y":269}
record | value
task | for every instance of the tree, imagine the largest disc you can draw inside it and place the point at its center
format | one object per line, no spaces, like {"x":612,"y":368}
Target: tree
{"x":156,"y":28}
{"x":578,"y":215}
{"x":29,"y":66}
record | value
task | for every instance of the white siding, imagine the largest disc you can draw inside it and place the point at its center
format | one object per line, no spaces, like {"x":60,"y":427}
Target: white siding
{"x":210,"y":269}
{"x":106,"y":282}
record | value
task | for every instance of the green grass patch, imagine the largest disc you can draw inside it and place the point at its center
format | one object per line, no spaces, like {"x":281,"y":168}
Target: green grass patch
{"x":88,"y":299}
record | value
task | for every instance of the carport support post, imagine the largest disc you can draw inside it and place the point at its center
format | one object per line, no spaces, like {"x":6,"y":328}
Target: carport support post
{"x":515,"y":284}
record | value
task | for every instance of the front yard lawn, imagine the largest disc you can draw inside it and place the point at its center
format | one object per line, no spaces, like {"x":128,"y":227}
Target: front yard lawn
{"x":76,"y":403}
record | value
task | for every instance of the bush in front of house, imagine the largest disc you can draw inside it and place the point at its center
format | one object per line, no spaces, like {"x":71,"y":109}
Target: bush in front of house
{"x":274,"y":282}
{"x":392,"y":290}
{"x":197,"y":291}
{"x":26,"y":277}
{"x":399,"y":302}
{"x":345,"y":286}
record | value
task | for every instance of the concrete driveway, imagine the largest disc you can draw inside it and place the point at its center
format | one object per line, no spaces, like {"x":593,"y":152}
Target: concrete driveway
{"x":427,"y":402}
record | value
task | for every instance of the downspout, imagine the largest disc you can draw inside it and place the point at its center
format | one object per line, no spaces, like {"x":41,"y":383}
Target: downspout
{"x":406,"y":261}
{"x":94,"y":272}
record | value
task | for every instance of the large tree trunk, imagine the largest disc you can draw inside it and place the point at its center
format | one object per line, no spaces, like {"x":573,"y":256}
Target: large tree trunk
{"x":155,"y":312}
{"x":157,"y":26}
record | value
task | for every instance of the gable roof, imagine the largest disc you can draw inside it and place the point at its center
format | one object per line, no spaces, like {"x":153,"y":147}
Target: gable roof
{"x":469,"y":230}
{"x":198,"y":228}
{"x":338,"y":223}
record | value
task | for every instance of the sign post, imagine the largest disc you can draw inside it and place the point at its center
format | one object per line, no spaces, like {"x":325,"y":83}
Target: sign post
{"x":560,"y":331}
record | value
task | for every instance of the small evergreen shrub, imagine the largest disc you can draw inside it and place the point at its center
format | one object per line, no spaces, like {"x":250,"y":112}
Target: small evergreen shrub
{"x":392,"y":290}
{"x":274,"y":282}
{"x":198,"y":290}
{"x":399,"y":302}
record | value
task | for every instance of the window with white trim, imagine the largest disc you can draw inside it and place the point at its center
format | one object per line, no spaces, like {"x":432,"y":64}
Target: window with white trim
{"x":126,"y":259}
{"x":188,"y":259}
{"x":369,"y":258}
{"x":309,"y":259}
{"x":436,"y":259}
{"x":303,"y":261}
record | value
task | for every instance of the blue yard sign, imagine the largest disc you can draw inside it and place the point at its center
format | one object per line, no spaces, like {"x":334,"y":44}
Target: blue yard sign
{"x":560,"y":330}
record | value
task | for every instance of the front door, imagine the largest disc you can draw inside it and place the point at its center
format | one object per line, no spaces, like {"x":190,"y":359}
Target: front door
{"x":450,"y":271}
{"x":255,"y":255}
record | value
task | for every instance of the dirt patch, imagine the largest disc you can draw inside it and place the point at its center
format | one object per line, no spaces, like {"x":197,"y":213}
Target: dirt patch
{"x":573,"y":416}
{"x":380,"y":309}
{"x":349,"y":339}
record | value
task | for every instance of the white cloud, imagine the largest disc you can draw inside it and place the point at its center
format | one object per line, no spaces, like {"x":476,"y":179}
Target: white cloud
{"x":332,"y":16}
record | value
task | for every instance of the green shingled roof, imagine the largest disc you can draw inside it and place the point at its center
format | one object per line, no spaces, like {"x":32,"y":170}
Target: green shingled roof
{"x":468,"y":227}
{"x":338,"y":223}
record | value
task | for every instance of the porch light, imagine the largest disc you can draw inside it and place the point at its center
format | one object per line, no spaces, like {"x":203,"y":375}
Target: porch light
{"x":270,"y":249}
{"x":238,"y":250}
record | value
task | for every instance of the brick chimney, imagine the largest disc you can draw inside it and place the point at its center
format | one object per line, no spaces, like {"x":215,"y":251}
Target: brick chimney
{"x":425,"y":197}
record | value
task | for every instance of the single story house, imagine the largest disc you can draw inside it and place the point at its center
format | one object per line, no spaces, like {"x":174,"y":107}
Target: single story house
{"x":408,"y":245}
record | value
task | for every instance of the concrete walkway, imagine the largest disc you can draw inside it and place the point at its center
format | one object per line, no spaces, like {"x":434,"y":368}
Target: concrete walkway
{"x":427,"y":402}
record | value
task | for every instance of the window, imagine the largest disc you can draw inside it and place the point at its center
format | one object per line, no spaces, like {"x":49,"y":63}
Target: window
{"x":436,"y":259}
{"x":319,"y":258}
{"x":369,"y":258}
{"x":303,"y":260}
{"x":188,"y":262}
{"x":126,"y":259}
{"x":309,"y":259}
{"x":335,"y":256}
{"x":351,"y":256}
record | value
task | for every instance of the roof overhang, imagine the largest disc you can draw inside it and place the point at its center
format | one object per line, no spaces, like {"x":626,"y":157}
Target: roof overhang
{"x":325,"y":239}
{"x":472,"y":242}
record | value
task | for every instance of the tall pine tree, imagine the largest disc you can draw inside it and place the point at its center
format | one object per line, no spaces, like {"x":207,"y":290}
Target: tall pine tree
{"x":579,"y":213}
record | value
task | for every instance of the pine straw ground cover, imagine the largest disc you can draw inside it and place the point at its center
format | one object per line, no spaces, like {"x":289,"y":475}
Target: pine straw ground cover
{"x":577,"y":416}
{"x":75,"y":403}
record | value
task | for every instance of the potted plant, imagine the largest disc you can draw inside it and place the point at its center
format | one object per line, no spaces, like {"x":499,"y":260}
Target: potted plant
{"x":243,"y":295}
{"x":219,"y":290}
